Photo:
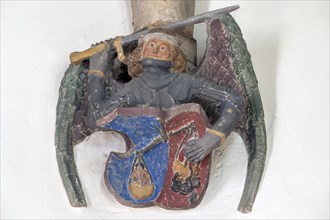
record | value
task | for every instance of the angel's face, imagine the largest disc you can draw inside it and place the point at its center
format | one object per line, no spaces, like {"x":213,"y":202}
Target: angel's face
{"x":157,"y":49}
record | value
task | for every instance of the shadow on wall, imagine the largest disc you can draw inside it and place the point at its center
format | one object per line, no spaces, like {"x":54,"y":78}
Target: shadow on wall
{"x":129,"y":15}
{"x":264,"y":55}
{"x":200,"y":30}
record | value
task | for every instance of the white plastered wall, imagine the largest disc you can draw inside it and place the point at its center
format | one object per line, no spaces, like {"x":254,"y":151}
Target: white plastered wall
{"x":289,"y":44}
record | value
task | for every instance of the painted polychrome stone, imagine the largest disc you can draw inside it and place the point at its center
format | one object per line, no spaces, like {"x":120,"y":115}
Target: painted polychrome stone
{"x":171,"y":113}
{"x":154,"y":170}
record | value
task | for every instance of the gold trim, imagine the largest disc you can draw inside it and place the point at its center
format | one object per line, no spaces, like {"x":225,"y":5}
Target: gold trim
{"x":77,"y":57}
{"x":217,"y":133}
{"x":97,"y":72}
{"x":119,"y":48}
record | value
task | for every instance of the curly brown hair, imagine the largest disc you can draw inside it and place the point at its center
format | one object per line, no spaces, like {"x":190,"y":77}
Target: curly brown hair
{"x":133,"y":60}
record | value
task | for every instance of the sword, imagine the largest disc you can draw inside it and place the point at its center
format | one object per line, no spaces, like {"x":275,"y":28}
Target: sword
{"x":77,"y":57}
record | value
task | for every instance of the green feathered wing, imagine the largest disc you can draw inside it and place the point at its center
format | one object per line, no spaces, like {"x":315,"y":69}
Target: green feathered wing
{"x":253,"y":130}
{"x":227,"y":62}
{"x":70,"y":97}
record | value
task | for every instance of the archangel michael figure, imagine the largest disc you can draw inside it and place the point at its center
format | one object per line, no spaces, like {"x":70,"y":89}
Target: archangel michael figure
{"x":172,"y":115}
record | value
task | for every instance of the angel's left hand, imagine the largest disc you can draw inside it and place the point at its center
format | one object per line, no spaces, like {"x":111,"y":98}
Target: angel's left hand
{"x":197,"y":149}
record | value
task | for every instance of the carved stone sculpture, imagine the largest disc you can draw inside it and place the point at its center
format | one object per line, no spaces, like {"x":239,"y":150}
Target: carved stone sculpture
{"x":171,"y":113}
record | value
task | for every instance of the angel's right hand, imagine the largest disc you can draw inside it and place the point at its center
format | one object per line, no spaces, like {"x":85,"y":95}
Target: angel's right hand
{"x":197,"y":149}
{"x":117,"y":42}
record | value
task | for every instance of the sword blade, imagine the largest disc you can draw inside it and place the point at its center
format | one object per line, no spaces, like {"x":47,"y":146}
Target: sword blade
{"x":128,"y":39}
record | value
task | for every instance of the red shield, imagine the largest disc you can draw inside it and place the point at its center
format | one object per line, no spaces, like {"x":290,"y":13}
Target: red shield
{"x":185,"y":182}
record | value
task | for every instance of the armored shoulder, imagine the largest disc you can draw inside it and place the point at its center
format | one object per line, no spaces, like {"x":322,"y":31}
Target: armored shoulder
{"x":180,"y":87}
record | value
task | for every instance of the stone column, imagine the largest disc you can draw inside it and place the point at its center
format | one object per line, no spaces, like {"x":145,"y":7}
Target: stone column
{"x":152,"y":13}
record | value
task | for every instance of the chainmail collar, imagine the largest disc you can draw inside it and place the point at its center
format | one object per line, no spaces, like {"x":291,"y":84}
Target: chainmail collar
{"x":156,"y":73}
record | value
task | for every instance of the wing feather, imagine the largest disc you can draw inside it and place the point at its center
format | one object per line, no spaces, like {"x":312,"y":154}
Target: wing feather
{"x":227,"y":62}
{"x":69,"y":97}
